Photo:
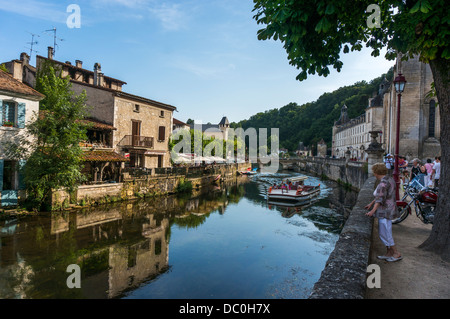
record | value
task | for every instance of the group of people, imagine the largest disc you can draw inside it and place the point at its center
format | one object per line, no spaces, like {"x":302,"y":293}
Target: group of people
{"x":288,"y":185}
{"x":431,"y":170}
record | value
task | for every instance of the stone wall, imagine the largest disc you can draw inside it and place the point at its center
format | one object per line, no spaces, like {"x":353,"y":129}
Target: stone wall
{"x":151,"y":118}
{"x":135,"y":187}
{"x":352,"y":174}
{"x":345,"y":273}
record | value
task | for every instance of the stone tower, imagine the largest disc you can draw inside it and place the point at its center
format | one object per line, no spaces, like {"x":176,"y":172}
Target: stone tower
{"x":419,"y":116}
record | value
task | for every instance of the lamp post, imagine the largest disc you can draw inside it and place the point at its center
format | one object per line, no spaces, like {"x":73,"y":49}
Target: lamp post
{"x":399,"y":84}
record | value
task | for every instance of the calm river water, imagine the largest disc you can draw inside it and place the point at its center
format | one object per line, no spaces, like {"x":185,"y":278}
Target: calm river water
{"x":225,"y":243}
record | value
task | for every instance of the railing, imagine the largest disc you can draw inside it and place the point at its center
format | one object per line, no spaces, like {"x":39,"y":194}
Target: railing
{"x":188,"y":172}
{"x":137,"y":141}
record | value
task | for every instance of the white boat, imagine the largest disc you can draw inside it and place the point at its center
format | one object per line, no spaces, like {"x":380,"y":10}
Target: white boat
{"x":297,"y":192}
{"x":249,"y":171}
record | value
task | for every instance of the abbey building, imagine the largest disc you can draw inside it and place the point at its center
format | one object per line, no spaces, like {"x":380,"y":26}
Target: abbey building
{"x":419,"y":118}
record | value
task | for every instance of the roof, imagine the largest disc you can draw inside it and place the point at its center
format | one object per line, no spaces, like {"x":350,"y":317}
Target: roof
{"x":115,"y":92}
{"x":103,"y":156}
{"x":9,"y":85}
{"x":79,"y":69}
{"x":178,"y":122}
{"x":144,"y":100}
{"x":224,"y":121}
{"x":98,"y":125}
{"x":344,"y":117}
{"x":128,"y":96}
{"x":210,"y":127}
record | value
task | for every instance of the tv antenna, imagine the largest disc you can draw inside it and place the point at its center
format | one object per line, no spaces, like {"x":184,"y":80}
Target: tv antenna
{"x":32,"y":43}
{"x":55,"y":38}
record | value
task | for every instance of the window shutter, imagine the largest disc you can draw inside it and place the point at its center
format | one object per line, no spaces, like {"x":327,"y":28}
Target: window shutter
{"x":162,"y":133}
{"x":21,"y":115}
{"x":1,"y":174}
{"x":1,"y":114}
{"x":21,"y":174}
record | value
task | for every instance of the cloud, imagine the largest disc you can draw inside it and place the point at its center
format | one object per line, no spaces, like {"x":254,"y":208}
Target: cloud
{"x":127,"y":3}
{"x":172,"y":17}
{"x":35,"y":9}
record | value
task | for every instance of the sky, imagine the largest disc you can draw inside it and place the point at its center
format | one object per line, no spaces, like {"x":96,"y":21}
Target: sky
{"x":201,"y":56}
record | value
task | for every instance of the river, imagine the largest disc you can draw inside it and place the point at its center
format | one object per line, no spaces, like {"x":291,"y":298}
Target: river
{"x":224,"y":242}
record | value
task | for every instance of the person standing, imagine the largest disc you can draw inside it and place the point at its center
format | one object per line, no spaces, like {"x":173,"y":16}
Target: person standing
{"x":389,"y":162}
{"x":429,"y":168}
{"x":415,"y":170}
{"x":437,"y":171}
{"x":384,"y":208}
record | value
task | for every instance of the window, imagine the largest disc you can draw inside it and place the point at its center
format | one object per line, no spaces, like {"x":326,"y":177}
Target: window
{"x":432,"y":119}
{"x":161,"y":114}
{"x":12,"y":114}
{"x":9,"y":113}
{"x":162,"y":133}
{"x":136,"y":108}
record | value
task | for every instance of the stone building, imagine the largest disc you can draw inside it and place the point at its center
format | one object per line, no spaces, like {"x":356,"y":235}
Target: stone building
{"x":138,"y":128}
{"x":321,"y":148}
{"x":19,"y":104}
{"x":179,"y":125}
{"x":218,"y":131}
{"x":419,"y":114}
{"x":419,"y":118}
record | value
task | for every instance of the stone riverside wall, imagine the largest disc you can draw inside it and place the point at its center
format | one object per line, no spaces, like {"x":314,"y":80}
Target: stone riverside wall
{"x":352,"y":174}
{"x":345,"y":273}
{"x":142,"y":185}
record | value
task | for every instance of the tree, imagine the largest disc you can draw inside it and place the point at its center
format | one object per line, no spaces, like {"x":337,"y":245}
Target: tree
{"x":316,"y":33}
{"x":53,"y":154}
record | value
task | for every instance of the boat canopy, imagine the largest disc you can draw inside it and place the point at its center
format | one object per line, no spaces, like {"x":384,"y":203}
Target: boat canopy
{"x":295,"y":179}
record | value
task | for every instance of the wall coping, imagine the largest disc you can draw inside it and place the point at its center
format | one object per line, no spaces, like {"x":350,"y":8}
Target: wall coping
{"x":111,"y":185}
{"x":345,"y":273}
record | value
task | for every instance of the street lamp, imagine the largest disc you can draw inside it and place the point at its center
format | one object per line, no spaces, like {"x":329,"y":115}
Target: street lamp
{"x":399,"y":84}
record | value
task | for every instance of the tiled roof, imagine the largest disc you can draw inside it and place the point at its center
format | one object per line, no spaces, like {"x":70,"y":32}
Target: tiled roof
{"x":103,"y":156}
{"x":178,"y":122}
{"x":79,"y":69}
{"x":95,"y":124}
{"x":10,"y":85}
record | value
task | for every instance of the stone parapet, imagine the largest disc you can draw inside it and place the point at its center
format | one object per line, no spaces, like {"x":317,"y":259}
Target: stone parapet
{"x":345,"y":273}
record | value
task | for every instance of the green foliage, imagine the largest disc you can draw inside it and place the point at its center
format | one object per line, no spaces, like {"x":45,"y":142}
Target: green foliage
{"x":54,"y":157}
{"x":316,"y":33}
{"x":310,"y":122}
{"x":199,"y":142}
{"x":184,"y":187}
{"x":3,"y":68}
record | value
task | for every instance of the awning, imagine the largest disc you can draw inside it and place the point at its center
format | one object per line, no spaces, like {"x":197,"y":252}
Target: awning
{"x":103,"y":156}
{"x":154,"y":153}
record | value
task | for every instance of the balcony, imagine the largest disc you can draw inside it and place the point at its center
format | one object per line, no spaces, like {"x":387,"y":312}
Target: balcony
{"x":137,"y":141}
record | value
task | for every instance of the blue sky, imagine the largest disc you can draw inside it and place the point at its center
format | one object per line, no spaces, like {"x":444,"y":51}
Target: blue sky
{"x":202,"y":56}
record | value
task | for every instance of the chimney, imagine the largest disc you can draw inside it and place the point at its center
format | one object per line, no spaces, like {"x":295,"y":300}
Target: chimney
{"x":100,"y":79}
{"x":50,"y":53}
{"x":97,"y":73}
{"x":25,"y":58}
{"x":79,"y":64}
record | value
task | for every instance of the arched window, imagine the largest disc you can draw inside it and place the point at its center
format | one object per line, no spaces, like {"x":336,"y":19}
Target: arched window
{"x":432,"y":119}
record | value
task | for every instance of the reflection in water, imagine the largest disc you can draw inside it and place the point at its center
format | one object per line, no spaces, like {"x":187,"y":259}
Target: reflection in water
{"x":226,"y":242}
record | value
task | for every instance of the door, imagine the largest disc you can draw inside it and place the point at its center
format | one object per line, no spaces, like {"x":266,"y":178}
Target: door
{"x":160,"y":161}
{"x":135,"y":132}
{"x":8,"y":183}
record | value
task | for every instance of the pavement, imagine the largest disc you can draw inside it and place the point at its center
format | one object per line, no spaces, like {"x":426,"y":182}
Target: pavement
{"x":419,"y":275}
